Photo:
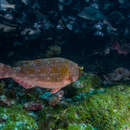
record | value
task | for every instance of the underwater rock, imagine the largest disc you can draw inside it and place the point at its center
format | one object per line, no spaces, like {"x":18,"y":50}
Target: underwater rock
{"x":2,"y":86}
{"x":91,"y":13}
{"x":45,"y":95}
{"x":30,"y":34}
{"x":55,"y":99}
{"x":65,"y":2}
{"x":123,"y":49}
{"x":26,"y":2}
{"x":87,"y":83}
{"x":121,"y":1}
{"x":99,"y":33}
{"x":33,"y":106}
{"x":70,"y":23}
{"x":4,"y":5}
{"x":119,"y":74}
{"x":99,"y":26}
{"x":6,"y":28}
{"x":114,"y":15}
{"x":81,"y":126}
{"x":109,"y":110}
{"x":4,"y":101}
{"x":53,"y":50}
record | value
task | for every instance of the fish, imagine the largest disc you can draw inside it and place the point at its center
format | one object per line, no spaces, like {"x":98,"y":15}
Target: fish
{"x":51,"y":73}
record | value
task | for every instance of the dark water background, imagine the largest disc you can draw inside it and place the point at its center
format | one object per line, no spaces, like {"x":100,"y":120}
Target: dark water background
{"x":78,"y":43}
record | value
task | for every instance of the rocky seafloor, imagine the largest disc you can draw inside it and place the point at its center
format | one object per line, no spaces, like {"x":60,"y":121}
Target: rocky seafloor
{"x":93,"y":33}
{"x":88,"y":106}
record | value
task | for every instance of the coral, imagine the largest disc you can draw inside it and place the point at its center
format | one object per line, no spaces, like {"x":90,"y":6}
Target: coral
{"x":16,"y":118}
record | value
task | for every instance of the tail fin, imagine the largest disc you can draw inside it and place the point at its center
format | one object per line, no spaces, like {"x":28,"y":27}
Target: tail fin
{"x":5,"y":71}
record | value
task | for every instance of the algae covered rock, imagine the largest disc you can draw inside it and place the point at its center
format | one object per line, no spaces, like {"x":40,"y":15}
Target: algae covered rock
{"x":98,"y":110}
{"x":81,"y":126}
{"x":87,"y":83}
{"x":108,"y":110}
{"x":15,"y":118}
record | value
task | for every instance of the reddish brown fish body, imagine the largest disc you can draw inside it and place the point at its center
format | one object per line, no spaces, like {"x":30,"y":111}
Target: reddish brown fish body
{"x":46,"y":73}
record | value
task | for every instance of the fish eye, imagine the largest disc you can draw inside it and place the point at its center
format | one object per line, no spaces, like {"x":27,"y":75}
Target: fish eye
{"x":81,"y":70}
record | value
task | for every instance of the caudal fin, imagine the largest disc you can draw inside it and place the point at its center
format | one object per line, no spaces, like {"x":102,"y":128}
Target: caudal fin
{"x":5,"y":71}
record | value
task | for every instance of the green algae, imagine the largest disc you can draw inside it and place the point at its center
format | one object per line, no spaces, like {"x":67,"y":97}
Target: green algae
{"x":2,"y":85}
{"x":109,"y":110}
{"x":81,"y":126}
{"x":87,"y":83}
{"x":16,"y":118}
{"x":86,"y":86}
{"x":97,"y":110}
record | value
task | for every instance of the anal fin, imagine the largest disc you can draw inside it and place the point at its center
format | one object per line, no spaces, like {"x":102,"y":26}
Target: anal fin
{"x":55,"y":90}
